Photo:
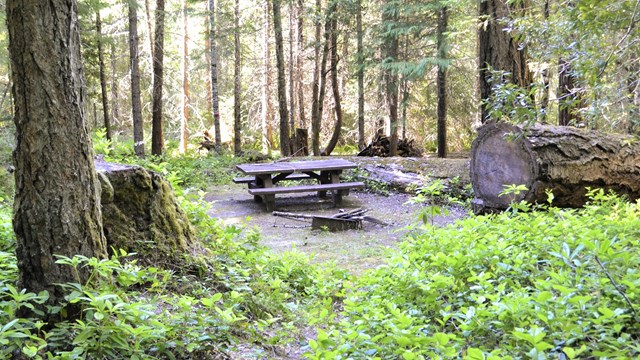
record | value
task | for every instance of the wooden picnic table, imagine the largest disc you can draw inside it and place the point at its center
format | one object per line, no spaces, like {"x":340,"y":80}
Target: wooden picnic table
{"x":265,"y":177}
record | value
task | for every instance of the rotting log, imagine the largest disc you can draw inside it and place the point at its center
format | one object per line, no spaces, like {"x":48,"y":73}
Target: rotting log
{"x":141,"y":215}
{"x":563,"y":160}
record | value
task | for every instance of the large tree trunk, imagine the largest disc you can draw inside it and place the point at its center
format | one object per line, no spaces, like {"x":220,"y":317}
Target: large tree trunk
{"x":103,"y":77}
{"x":184,"y":124}
{"x":285,"y":148}
{"x":237,"y":125}
{"x":563,"y":160}
{"x":442,"y":82}
{"x":334,"y":85}
{"x":214,"y":75}
{"x":497,"y":49}
{"x":57,"y":194}
{"x":136,"y":102}
{"x":360,"y":75}
{"x":157,"y":132}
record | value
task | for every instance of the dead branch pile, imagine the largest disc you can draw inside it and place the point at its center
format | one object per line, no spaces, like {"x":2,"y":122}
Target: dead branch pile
{"x":381,"y":144}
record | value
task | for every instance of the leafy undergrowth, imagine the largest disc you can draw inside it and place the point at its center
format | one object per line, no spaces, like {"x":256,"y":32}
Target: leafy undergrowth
{"x":541,"y":284}
{"x":237,"y":294}
{"x":559,"y":284}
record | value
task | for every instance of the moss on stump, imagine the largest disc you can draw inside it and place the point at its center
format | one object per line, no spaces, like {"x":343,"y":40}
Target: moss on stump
{"x":140,"y":214}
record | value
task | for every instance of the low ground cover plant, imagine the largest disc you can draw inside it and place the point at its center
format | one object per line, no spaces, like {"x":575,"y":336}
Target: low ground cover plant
{"x":556,"y":283}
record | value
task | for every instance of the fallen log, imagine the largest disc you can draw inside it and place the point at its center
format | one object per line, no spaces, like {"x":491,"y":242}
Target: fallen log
{"x":563,"y":160}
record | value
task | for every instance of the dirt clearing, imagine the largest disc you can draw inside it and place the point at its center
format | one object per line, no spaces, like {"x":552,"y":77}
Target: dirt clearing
{"x":354,"y":250}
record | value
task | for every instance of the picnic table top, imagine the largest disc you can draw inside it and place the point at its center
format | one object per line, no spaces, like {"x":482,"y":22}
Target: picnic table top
{"x":296,"y":166}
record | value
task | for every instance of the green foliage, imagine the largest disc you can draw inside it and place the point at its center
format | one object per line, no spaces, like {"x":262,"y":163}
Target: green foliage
{"x":541,"y":284}
{"x":232,"y":291}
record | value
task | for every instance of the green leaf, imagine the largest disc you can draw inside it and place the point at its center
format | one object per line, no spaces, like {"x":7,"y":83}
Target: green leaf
{"x":474,"y":354}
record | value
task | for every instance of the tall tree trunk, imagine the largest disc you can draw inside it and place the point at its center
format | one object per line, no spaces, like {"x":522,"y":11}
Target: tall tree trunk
{"x":282,"y":94}
{"x":184,"y":124}
{"x":568,"y":96}
{"x":57,"y":193}
{"x":134,"y":59}
{"x":237,"y":125}
{"x":115,"y":107}
{"x":157,"y":132}
{"x":103,"y":78}
{"x":544,"y":101}
{"x":207,"y":52}
{"x":335,"y":137}
{"x":389,"y":17}
{"x":147,"y":8}
{"x":300,"y":63}
{"x":360,"y":75}
{"x":292,"y":75}
{"x":214,"y":74}
{"x":633,"y":95}
{"x":443,"y":18}
{"x":315,"y":105}
{"x":498,"y":49}
{"x":267,"y":129}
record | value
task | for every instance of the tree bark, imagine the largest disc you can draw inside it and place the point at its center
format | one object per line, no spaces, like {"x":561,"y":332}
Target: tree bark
{"x":300,"y":63}
{"x":568,"y":96}
{"x":442,"y":82}
{"x":134,"y":61}
{"x":147,"y":8}
{"x":292,"y":76}
{"x":237,"y":125}
{"x":57,"y":194}
{"x":544,"y":101}
{"x":214,"y":75}
{"x":115,"y":108}
{"x":335,"y":137}
{"x":285,"y":148}
{"x":360,"y":75}
{"x":103,"y":78}
{"x":157,"y":132}
{"x":184,"y":124}
{"x":391,"y":45}
{"x":267,"y":129}
{"x":315,"y":104}
{"x":563,"y":160}
{"x":498,"y":50}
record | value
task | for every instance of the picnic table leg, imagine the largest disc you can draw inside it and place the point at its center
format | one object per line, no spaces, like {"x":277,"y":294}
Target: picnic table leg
{"x":269,"y":201}
{"x":262,"y":181}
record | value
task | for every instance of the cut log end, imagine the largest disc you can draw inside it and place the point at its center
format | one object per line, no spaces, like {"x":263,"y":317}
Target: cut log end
{"x":501,"y":157}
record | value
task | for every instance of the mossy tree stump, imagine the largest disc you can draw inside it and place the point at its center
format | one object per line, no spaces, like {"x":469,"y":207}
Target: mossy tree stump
{"x":141,"y":215}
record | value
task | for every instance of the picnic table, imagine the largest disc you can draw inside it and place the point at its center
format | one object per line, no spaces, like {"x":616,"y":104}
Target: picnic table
{"x":265,"y":177}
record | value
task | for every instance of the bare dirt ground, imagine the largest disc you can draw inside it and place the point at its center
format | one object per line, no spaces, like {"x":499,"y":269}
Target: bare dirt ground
{"x":353,"y":250}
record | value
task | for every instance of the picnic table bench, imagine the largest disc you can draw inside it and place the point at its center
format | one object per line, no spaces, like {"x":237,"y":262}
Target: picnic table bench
{"x":265,"y":176}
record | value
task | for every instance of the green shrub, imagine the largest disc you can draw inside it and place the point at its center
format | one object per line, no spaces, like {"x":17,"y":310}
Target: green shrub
{"x":541,"y":284}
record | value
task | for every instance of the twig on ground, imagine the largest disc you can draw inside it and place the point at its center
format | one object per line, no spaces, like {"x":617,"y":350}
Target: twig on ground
{"x":616,"y":285}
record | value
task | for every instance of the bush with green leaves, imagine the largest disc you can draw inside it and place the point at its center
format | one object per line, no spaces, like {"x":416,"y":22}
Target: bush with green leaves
{"x":557,"y":283}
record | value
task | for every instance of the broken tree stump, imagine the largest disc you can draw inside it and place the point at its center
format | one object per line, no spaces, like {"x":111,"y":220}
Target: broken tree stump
{"x":563,"y":160}
{"x":141,"y":215}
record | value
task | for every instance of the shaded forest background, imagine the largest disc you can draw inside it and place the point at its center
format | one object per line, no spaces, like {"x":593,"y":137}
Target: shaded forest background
{"x":581,"y":57}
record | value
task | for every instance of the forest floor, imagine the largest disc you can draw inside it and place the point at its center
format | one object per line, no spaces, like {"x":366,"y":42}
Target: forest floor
{"x":352,"y":250}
